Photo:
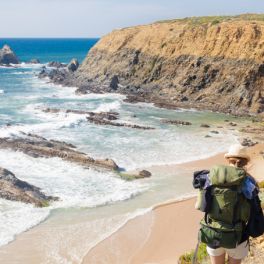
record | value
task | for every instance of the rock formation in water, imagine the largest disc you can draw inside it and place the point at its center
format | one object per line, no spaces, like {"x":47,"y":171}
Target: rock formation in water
{"x":13,"y":189}
{"x":36,"y":146}
{"x":214,"y":63}
{"x":73,"y":65}
{"x":33,"y":61}
{"x":101,"y":118}
{"x":7,"y":56}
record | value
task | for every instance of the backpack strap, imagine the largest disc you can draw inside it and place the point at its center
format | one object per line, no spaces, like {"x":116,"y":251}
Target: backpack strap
{"x":235,"y":219}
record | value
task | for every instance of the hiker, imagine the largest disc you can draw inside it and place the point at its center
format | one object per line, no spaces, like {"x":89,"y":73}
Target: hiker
{"x":229,"y":197}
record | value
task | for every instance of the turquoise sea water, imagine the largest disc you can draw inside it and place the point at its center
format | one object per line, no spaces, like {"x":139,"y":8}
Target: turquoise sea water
{"x":47,"y":50}
{"x":23,"y":97}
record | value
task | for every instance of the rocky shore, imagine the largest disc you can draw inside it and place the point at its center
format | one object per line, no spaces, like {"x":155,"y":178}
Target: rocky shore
{"x":36,"y":146}
{"x":13,"y":189}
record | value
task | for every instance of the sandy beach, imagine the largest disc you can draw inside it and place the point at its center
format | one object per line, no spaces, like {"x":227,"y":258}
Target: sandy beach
{"x":166,"y":232}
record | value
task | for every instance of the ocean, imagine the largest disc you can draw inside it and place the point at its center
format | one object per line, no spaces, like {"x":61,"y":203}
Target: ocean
{"x":101,"y":201}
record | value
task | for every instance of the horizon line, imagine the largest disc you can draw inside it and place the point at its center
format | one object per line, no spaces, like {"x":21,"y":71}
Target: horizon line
{"x":50,"y":38}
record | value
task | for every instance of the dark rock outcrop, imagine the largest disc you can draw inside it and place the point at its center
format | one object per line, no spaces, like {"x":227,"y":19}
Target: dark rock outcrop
{"x":56,"y":64}
{"x":73,"y":65}
{"x":205,"y":125}
{"x":247,"y":142}
{"x":34,"y":61}
{"x":107,"y":119}
{"x":177,"y":122}
{"x":214,"y":132}
{"x":13,"y":189}
{"x":7,"y":56}
{"x":114,"y":82}
{"x":144,"y":174}
{"x":130,"y":176}
{"x":36,"y":146}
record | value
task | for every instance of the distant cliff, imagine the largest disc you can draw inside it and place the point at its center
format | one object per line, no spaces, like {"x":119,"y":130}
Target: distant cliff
{"x":214,"y":63}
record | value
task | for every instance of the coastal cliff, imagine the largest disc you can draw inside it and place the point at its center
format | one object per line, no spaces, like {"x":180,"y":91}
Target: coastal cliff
{"x":214,"y":63}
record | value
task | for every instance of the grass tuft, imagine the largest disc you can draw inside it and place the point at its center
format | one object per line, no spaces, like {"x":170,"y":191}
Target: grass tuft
{"x":201,"y":256}
{"x":261,"y":184}
{"x":127,"y":177}
{"x":214,"y":20}
{"x":45,"y":204}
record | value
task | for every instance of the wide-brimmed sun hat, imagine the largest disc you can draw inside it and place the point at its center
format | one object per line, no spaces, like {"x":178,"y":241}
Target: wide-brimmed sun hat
{"x":237,"y":151}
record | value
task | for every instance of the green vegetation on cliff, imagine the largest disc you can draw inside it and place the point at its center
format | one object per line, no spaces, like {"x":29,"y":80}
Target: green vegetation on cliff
{"x":215,"y":19}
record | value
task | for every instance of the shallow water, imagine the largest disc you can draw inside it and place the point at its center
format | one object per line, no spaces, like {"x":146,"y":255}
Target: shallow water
{"x":23,"y":97}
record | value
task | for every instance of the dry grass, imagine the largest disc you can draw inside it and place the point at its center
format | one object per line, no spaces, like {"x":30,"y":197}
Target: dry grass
{"x":213,"y":20}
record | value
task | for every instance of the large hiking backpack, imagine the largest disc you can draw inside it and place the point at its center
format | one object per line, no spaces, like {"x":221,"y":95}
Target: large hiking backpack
{"x":227,"y":210}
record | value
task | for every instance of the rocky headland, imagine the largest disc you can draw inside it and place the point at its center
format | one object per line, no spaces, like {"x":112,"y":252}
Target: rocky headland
{"x":213,"y":63}
{"x":13,"y":189}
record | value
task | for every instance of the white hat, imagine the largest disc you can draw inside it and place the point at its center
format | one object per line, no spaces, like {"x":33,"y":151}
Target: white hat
{"x":237,"y":151}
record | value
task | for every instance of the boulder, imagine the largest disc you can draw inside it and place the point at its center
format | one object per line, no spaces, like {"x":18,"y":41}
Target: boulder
{"x":177,"y":122}
{"x":73,"y":65}
{"x":247,"y":142}
{"x":7,"y":56}
{"x":13,"y":189}
{"x":214,"y":132}
{"x":134,"y":175}
{"x":205,"y":125}
{"x":144,"y":174}
{"x":56,"y":64}
{"x":82,"y":90}
{"x":232,"y":124}
{"x":34,"y":61}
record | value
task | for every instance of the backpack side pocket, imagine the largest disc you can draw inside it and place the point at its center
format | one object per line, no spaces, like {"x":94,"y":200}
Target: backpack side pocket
{"x":204,"y":200}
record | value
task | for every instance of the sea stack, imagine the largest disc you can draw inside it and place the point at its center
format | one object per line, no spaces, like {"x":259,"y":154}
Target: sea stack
{"x":7,"y":56}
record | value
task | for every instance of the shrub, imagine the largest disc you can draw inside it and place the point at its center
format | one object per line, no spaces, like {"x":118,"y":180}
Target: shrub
{"x":215,"y":22}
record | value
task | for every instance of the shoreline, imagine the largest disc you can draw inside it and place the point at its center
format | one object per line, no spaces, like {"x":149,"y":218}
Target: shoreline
{"x":159,"y":215}
{"x":39,"y":230}
{"x":31,"y":255}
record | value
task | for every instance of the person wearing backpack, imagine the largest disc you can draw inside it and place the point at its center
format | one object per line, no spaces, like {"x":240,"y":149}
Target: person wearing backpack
{"x":228,"y":195}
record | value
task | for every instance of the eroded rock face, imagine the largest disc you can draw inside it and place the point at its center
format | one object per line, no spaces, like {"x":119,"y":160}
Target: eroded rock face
{"x":36,"y":146}
{"x":182,"y":63}
{"x":7,"y":56}
{"x":13,"y":189}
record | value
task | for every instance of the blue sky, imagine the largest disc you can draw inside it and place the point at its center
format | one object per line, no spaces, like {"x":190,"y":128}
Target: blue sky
{"x":94,"y":18}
